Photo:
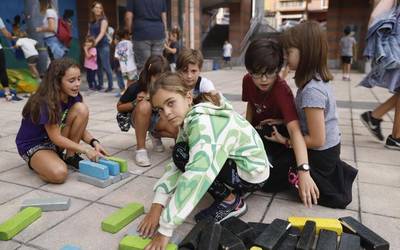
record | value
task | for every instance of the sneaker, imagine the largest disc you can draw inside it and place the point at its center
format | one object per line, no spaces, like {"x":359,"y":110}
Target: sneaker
{"x":392,"y":143}
{"x":372,"y":124}
{"x":141,"y":158}
{"x":108,"y":90}
{"x":73,"y":161}
{"x":221,"y":210}
{"x":157,"y":144}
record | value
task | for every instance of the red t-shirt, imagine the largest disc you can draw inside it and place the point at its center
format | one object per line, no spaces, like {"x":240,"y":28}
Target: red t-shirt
{"x":277,"y":103}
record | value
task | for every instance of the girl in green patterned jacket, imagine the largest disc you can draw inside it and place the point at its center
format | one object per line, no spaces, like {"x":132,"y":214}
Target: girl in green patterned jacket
{"x":216,"y":148}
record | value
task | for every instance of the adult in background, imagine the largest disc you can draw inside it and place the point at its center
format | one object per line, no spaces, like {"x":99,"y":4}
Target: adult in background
{"x":49,"y":29}
{"x":98,"y":28}
{"x":148,"y":22}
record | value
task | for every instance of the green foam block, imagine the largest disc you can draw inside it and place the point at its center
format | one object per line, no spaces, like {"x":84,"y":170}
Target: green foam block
{"x":130,"y":242}
{"x":18,"y":222}
{"x":123,"y":164}
{"x":122,"y":217}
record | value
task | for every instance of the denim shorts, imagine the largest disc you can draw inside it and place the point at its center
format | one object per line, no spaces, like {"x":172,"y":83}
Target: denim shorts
{"x":46,"y":145}
{"x":56,"y":47}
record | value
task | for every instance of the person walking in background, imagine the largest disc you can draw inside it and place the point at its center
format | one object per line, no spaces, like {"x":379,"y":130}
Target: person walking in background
{"x":347,"y":46}
{"x":227,"y":54}
{"x":381,"y":75}
{"x":90,"y":63}
{"x":147,"y":20}
{"x":49,"y":28}
{"x":97,"y":28}
{"x":124,"y":54}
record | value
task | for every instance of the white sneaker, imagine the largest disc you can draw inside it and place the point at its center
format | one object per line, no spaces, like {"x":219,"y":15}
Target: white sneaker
{"x":141,"y":158}
{"x":157,"y":144}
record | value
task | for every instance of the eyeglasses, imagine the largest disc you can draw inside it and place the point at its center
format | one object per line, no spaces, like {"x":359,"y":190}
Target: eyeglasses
{"x":263,"y":76}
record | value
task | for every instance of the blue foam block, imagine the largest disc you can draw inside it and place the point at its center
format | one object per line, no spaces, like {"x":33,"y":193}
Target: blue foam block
{"x":113,"y":167}
{"x":70,"y":247}
{"x":94,"y":169}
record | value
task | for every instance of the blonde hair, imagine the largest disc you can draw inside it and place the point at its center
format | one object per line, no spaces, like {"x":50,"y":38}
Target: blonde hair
{"x":174,"y":82}
{"x":189,"y":56}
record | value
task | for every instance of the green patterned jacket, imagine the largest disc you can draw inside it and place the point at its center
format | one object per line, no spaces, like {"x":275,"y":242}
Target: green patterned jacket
{"x":214,"y":134}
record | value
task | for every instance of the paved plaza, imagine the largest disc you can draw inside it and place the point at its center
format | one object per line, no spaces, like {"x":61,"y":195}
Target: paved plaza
{"x":376,"y":191}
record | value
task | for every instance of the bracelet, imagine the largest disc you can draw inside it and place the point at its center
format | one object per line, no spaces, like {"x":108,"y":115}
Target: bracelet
{"x":91,"y":143}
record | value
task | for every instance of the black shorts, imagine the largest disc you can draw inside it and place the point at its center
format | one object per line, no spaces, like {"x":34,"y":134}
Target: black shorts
{"x":227,"y":58}
{"x":47,"y":145}
{"x":347,"y":59}
{"x":32,"y":59}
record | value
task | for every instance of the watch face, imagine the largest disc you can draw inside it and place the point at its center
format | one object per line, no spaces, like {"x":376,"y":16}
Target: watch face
{"x":304,"y":167}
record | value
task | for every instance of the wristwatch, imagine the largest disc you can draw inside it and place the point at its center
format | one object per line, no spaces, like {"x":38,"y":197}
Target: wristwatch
{"x":304,"y":167}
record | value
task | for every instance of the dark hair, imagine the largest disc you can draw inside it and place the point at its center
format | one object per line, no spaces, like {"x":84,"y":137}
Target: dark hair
{"x":174,"y":82}
{"x":347,"y":30}
{"x":310,"y":40}
{"x":91,"y":39}
{"x":48,"y":94}
{"x":155,"y":65}
{"x":123,"y":33}
{"x":264,"y":56}
{"x":189,"y":56}
{"x":92,"y":16}
{"x":44,"y":5}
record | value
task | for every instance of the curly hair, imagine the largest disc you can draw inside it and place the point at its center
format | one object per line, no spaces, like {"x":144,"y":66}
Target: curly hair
{"x":48,"y":94}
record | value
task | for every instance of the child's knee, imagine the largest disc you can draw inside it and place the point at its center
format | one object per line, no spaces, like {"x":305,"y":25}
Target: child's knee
{"x":80,"y":109}
{"x":143,"y":108}
{"x":58,"y":174}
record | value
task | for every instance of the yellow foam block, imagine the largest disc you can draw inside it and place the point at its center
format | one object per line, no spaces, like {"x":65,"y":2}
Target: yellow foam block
{"x":321,"y":223}
{"x":255,"y":248}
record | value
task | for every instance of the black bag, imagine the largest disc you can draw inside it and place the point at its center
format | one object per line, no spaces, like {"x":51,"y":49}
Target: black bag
{"x":124,"y":121}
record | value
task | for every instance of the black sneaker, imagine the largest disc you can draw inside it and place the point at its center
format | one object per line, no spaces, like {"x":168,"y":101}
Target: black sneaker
{"x":372,"y":124}
{"x":392,"y":143}
{"x":73,"y":161}
{"x":221,"y":210}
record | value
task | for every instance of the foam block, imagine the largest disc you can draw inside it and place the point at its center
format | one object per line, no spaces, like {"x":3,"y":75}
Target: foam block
{"x":275,"y":233}
{"x":123,"y":164}
{"x":94,"y":181}
{"x":191,"y":240}
{"x":321,"y":223}
{"x":307,"y":236}
{"x":70,"y":247}
{"x":130,"y":242}
{"x":258,"y":228}
{"x":48,"y":204}
{"x":229,"y":241}
{"x":18,"y":222}
{"x":94,"y":169}
{"x":240,"y":228}
{"x":289,"y":243}
{"x":256,"y":248}
{"x":210,"y":235}
{"x":115,"y":179}
{"x":119,"y":219}
{"x":125,"y":175}
{"x":349,"y":242}
{"x":327,"y":240}
{"x":113,"y":167}
{"x":369,"y":239}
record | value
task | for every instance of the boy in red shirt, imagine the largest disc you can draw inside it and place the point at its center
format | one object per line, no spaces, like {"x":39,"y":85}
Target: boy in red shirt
{"x":271,"y":108}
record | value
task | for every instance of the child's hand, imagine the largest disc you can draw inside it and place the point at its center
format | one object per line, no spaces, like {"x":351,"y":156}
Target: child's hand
{"x":271,"y":122}
{"x":308,"y":190}
{"x":93,"y":155}
{"x":141,"y":96}
{"x":100,"y":149}
{"x":276,"y":136}
{"x":159,"y":242}
{"x":149,"y":224}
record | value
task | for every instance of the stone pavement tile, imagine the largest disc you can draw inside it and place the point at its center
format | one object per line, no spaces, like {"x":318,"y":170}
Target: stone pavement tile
{"x":256,"y":206}
{"x":119,"y":141}
{"x":346,"y":129}
{"x":388,"y":228}
{"x":105,"y":116}
{"x":380,"y":156}
{"x":46,"y":221}
{"x":346,"y":140}
{"x":379,"y":174}
{"x":7,"y":142}
{"x":378,"y":199}
{"x":27,"y":248}
{"x":10,"y":160}
{"x":347,"y":153}
{"x":22,"y":175}
{"x":82,"y":229}
{"x":75,"y":188}
{"x":138,"y":190}
{"x":10,"y":191}
{"x":9,"y":245}
{"x":158,"y":170}
{"x":355,"y":203}
{"x":110,"y":127}
{"x":368,"y":141}
{"x":283,"y":209}
{"x":155,"y":158}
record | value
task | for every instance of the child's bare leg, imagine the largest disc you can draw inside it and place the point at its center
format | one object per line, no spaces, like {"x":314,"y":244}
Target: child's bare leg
{"x":48,"y":165}
{"x":76,"y":122}
{"x":165,"y":129}
{"x":141,"y":117}
{"x":34,"y":71}
{"x":396,"y":122}
{"x":385,"y":107}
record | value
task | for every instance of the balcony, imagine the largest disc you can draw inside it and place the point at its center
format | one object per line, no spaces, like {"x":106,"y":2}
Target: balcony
{"x":291,"y":5}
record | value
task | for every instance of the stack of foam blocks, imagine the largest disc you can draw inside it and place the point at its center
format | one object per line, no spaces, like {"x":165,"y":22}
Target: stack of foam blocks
{"x":103,"y":173}
{"x":298,"y":233}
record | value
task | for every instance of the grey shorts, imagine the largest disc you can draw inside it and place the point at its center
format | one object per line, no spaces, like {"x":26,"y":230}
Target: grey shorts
{"x":46,"y":145}
{"x":32,"y":59}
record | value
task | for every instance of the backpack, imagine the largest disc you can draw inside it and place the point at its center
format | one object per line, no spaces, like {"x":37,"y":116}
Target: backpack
{"x":64,"y":32}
